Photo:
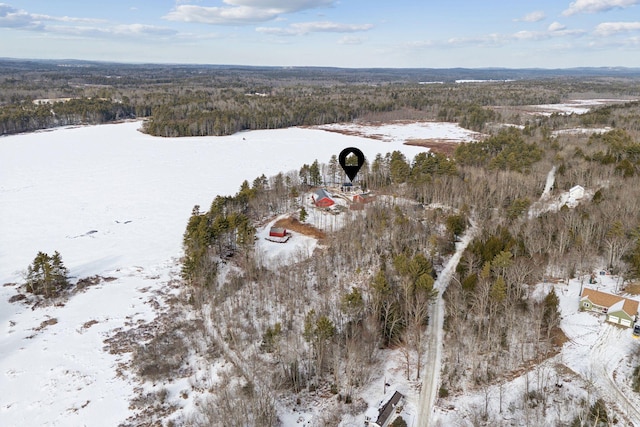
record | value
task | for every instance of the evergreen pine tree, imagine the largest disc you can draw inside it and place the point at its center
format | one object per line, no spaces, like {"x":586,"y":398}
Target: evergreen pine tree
{"x":47,"y":275}
{"x":314,"y":173}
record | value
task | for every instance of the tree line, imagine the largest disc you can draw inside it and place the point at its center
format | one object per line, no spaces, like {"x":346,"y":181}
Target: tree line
{"x":30,"y":116}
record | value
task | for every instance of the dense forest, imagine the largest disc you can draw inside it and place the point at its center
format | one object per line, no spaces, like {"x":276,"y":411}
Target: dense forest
{"x":210,"y":100}
{"x":320,"y":326}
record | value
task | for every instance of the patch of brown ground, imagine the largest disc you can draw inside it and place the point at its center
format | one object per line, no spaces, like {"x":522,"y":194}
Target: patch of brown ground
{"x":89,"y":324}
{"x":45,"y":323}
{"x":633,"y":288}
{"x":443,"y":146}
{"x":293,"y":224}
{"x":86,"y":282}
{"x":558,"y":337}
{"x":351,"y":132}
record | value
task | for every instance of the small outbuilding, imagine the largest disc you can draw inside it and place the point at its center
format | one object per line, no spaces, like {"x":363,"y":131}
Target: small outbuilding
{"x":322,"y":198}
{"x":278,"y":235}
{"x":619,"y":310}
{"x":277,"y":232}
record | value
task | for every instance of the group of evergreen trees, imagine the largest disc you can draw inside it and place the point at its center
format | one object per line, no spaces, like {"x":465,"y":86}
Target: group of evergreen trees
{"x":47,"y":275}
{"x":505,"y":151}
{"x":215,"y":234}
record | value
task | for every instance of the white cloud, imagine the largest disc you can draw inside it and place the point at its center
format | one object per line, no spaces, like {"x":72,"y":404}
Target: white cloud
{"x":556,"y":26}
{"x":421,"y":44}
{"x":314,"y":27}
{"x":610,"y":28}
{"x":494,"y":39}
{"x":536,"y":16}
{"x":240,"y":12}
{"x":554,"y":31}
{"x":141,"y":29}
{"x":594,"y":6}
{"x":287,"y":6}
{"x":10,"y":17}
{"x":66,"y":25}
{"x":69,"y":19}
{"x":221,"y":15}
{"x":351,"y":40}
{"x":528,"y":35}
{"x":128,"y":31}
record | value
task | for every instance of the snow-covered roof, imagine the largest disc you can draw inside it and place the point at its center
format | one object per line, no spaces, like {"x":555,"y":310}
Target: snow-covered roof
{"x":576,"y":189}
{"x":321,"y":193}
{"x":617,"y":306}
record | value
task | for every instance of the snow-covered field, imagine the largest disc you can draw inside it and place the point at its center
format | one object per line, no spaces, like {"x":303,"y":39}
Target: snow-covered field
{"x":403,"y":131}
{"x":576,"y":106}
{"x":114,"y":202}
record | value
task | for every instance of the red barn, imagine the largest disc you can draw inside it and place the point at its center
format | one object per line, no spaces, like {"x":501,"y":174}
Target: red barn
{"x":363,"y":198}
{"x":322,"y":199}
{"x":277,"y":232}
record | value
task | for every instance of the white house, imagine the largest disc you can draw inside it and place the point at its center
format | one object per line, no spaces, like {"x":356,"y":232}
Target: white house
{"x":576,"y":192}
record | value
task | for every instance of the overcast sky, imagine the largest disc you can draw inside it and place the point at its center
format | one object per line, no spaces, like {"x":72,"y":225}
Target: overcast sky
{"x":340,"y":33}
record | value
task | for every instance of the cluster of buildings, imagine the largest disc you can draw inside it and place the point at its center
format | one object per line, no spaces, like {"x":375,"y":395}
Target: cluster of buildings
{"x":323,"y":199}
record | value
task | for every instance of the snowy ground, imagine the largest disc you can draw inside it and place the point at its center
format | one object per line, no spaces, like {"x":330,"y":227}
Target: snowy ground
{"x":580,"y":131}
{"x":274,"y":254}
{"x":595,"y":362}
{"x":114,"y":202}
{"x":597,"y":350}
{"x":403,"y":132}
{"x":576,"y":106}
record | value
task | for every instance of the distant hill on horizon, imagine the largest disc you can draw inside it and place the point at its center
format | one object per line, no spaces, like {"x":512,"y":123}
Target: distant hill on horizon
{"x":371,"y":75}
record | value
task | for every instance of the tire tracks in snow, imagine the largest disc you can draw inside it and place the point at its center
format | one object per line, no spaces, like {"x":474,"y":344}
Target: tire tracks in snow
{"x":603,"y":362}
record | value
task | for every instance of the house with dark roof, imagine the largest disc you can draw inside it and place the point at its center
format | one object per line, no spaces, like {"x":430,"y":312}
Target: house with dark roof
{"x":619,"y":310}
{"x":385,"y":413}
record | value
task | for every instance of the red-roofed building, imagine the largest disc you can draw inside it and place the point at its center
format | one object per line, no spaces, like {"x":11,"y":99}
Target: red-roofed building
{"x":277,"y":232}
{"x":322,"y":199}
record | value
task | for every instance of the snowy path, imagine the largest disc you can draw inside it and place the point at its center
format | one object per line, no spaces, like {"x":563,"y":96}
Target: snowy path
{"x":603,"y":362}
{"x":548,"y":186}
{"x":435,"y":334}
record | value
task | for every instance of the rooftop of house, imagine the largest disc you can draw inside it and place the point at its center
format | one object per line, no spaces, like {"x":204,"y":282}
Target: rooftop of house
{"x":381,"y":413}
{"x":389,"y":407}
{"x":321,"y":193}
{"x":612,"y":302}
